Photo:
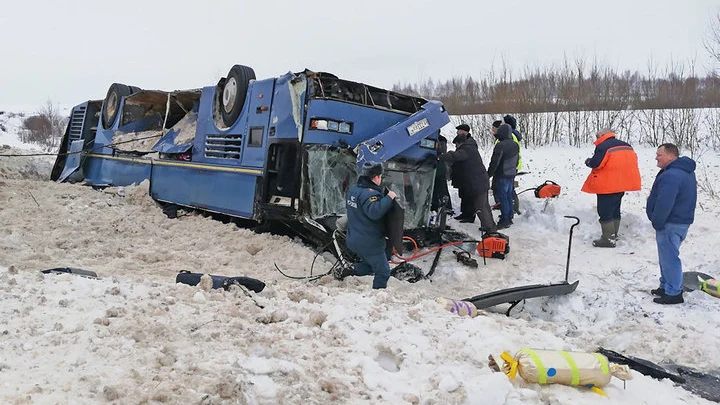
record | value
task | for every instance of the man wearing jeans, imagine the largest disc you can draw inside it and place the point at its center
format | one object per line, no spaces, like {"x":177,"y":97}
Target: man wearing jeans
{"x":671,"y":209}
{"x":503,"y":168}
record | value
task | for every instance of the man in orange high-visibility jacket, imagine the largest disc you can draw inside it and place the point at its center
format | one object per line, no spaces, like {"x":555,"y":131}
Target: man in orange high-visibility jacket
{"x":614,"y":171}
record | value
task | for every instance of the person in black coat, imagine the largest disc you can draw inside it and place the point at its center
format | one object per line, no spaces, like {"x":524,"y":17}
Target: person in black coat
{"x":471,"y":179}
{"x":467,"y":214}
{"x":441,"y":194}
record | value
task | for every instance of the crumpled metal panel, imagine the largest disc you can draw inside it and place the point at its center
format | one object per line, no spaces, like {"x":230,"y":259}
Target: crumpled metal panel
{"x":180,"y":137}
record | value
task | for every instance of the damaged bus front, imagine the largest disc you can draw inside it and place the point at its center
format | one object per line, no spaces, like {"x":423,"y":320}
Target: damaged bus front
{"x":281,"y":149}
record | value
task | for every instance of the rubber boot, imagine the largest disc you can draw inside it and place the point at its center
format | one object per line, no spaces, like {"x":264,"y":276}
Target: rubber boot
{"x":608,"y":227}
{"x":616,"y":228}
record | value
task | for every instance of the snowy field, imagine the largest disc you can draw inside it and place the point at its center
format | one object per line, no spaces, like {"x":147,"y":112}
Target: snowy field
{"x":133,"y":336}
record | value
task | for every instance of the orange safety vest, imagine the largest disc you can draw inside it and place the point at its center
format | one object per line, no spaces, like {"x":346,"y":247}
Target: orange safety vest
{"x":618,"y":171}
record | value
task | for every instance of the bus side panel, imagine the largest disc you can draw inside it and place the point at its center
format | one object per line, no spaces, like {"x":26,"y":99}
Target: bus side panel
{"x":104,"y":170}
{"x":212,"y":189}
{"x":258,"y":103}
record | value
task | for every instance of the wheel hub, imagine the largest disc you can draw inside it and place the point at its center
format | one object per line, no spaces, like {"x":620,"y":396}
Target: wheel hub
{"x":229,"y":94}
{"x":111,"y":105}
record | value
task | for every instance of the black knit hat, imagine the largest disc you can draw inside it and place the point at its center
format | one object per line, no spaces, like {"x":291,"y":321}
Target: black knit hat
{"x":510,"y":120}
{"x":463,"y":127}
{"x":372,"y":169}
{"x":496,"y":124}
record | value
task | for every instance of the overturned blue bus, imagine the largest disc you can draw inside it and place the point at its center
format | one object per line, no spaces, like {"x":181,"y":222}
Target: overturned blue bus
{"x":280,"y":149}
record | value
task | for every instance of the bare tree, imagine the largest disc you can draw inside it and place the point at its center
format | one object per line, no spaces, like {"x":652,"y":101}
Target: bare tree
{"x":45,"y":128}
{"x":712,"y":41}
{"x":712,"y":123}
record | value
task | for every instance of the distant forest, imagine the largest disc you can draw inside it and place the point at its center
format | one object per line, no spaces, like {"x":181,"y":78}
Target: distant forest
{"x":572,"y":87}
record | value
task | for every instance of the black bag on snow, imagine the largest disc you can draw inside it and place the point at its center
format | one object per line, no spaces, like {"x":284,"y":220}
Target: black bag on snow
{"x":186,"y":277}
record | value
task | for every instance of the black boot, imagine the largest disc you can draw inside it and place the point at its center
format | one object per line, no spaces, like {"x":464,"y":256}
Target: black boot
{"x":660,"y":292}
{"x":669,"y":299}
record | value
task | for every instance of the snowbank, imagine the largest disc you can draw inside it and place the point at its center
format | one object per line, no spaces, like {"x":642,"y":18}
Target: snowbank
{"x":134,"y":336}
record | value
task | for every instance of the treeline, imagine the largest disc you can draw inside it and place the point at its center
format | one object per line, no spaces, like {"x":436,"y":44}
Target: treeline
{"x":572,"y":87}
{"x":694,"y":130}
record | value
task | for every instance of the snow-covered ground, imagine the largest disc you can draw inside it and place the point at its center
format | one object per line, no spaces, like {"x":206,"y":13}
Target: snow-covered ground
{"x":133,"y":336}
{"x":10,"y":124}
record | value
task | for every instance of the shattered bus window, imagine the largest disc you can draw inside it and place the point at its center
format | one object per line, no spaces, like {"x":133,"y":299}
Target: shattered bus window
{"x":413,"y":183}
{"x":332,"y":170}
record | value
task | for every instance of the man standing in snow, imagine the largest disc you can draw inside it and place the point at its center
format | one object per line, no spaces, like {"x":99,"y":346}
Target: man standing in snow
{"x":471,"y":179}
{"x":671,"y":209}
{"x":441,"y":194}
{"x":614,"y":171}
{"x":517,"y":137}
{"x":503,"y":168}
{"x":459,"y":178}
{"x":366,"y":208}
{"x":493,"y":185}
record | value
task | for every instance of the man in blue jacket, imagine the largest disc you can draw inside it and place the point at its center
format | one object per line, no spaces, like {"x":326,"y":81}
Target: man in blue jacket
{"x":671,"y":209}
{"x":366,"y":207}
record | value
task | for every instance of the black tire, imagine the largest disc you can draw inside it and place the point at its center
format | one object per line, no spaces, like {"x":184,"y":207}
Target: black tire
{"x":134,"y":89}
{"x":111,"y":105}
{"x":233,"y":92}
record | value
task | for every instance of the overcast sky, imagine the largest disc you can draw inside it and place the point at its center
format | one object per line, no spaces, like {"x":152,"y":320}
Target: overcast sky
{"x":71,"y":51}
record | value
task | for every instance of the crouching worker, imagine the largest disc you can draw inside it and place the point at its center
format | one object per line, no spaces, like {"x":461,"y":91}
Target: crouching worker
{"x":366,"y":208}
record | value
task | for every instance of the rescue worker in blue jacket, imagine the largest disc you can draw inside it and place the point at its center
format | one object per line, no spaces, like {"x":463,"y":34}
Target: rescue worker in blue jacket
{"x":366,"y":207}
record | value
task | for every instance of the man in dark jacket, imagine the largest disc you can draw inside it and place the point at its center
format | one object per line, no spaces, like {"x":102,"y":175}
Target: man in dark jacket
{"x":471,"y":179}
{"x":441,"y":194}
{"x":466,"y":205}
{"x":457,"y":178}
{"x":503,"y":168}
{"x":671,"y":209}
{"x":517,"y":137}
{"x":366,"y":206}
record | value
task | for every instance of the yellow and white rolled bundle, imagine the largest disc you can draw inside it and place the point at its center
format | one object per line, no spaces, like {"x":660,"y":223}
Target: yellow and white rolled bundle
{"x":711,"y":287}
{"x":590,"y":370}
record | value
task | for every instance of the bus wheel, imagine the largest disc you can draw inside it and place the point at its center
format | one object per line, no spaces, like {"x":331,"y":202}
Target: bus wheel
{"x":234,"y":92}
{"x":111,"y":105}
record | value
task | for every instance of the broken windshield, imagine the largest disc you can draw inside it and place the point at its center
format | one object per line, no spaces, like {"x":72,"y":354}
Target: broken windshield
{"x":332,"y":170}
